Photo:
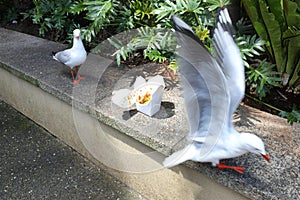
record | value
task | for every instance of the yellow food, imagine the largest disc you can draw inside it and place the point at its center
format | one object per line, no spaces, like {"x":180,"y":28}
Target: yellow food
{"x":144,"y":99}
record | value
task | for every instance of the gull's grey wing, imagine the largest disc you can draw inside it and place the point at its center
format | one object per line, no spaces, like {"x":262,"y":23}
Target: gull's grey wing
{"x":205,"y":89}
{"x":63,"y":56}
{"x":194,"y":89}
{"x":229,"y":58}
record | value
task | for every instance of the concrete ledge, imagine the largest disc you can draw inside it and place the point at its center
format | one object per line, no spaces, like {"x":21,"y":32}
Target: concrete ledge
{"x":84,"y":118}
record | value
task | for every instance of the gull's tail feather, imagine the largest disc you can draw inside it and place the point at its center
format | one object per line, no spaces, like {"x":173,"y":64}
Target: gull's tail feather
{"x":187,"y":153}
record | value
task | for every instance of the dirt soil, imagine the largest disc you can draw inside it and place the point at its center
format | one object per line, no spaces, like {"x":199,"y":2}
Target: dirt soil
{"x":280,"y":98}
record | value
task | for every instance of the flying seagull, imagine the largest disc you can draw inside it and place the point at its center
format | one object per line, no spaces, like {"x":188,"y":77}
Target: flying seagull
{"x":213,"y":88}
{"x":73,"y":57}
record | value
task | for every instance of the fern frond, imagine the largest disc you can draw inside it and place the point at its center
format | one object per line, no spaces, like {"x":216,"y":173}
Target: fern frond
{"x":262,"y":77}
{"x":123,"y":50}
{"x":250,"y":46}
{"x":293,"y":116}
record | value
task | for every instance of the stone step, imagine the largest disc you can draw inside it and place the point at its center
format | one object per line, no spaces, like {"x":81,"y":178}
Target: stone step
{"x":130,"y":145}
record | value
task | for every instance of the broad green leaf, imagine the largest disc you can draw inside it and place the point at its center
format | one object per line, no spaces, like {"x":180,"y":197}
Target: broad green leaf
{"x":276,"y":7}
{"x":252,"y":8}
{"x":296,"y":73}
{"x":274,"y":34}
{"x":292,"y":15}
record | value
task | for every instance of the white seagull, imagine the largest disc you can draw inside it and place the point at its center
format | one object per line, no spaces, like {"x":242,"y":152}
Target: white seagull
{"x":213,"y":88}
{"x":73,"y":57}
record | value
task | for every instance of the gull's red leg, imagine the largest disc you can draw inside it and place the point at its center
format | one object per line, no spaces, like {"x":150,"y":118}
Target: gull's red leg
{"x":238,"y":169}
{"x":75,"y":82}
{"x":79,"y":78}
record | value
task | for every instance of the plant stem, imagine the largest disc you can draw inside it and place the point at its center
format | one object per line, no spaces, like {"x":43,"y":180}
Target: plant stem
{"x":197,"y":19}
{"x":264,"y":103}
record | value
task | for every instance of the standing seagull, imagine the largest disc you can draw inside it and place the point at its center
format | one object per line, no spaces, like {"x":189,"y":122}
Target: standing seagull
{"x":213,"y":88}
{"x":73,"y":57}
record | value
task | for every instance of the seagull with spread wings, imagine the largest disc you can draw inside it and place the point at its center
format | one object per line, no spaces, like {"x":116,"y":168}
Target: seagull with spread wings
{"x":213,"y":88}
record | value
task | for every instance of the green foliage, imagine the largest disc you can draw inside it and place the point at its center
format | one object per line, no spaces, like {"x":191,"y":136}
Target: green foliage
{"x":293,"y":116}
{"x":198,"y":14}
{"x":217,"y":4}
{"x":262,"y":77}
{"x":260,"y":74}
{"x":123,"y":50}
{"x":245,"y":27}
{"x":114,"y":14}
{"x":153,"y":41}
{"x":119,"y":16}
{"x":65,"y":14}
{"x":52,"y":15}
{"x":250,"y":46}
{"x":277,"y":23}
{"x":9,"y":15}
{"x":99,"y":13}
{"x":142,"y":12}
{"x":151,"y":19}
{"x":173,"y":65}
{"x":157,"y":14}
{"x":8,"y":12}
{"x":192,"y":9}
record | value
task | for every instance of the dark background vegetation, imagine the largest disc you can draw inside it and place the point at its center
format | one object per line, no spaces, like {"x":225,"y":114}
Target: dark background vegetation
{"x":20,"y":15}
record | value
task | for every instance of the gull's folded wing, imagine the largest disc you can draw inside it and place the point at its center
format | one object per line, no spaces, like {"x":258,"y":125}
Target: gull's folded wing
{"x":63,"y":56}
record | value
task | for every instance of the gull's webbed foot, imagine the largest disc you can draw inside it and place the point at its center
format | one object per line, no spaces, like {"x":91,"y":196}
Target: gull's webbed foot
{"x":235,"y":168}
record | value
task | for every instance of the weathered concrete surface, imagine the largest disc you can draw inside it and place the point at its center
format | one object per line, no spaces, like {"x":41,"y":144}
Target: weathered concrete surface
{"x":261,"y":179}
{"x":82,"y":131}
{"x":36,"y":165}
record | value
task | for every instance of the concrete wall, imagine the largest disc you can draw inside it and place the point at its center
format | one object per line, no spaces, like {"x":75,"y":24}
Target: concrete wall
{"x":57,"y":117}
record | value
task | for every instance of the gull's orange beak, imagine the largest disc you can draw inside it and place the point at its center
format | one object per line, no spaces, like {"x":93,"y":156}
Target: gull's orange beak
{"x":266,"y":157}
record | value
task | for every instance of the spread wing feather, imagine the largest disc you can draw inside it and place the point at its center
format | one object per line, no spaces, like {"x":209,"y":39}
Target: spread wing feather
{"x":204,"y":84}
{"x":229,"y":58}
{"x":213,"y":88}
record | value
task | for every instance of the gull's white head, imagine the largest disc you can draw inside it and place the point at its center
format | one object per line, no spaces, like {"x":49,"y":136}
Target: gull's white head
{"x":254,"y":144}
{"x":76,"y":33}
